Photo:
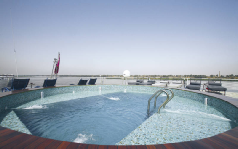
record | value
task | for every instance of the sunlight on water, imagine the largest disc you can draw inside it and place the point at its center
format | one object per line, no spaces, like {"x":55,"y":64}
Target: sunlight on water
{"x":198,"y":114}
{"x":83,"y":138}
{"x":112,"y":98}
{"x":36,"y":107}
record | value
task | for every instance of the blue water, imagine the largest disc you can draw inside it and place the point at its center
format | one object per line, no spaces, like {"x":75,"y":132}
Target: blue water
{"x":101,"y":119}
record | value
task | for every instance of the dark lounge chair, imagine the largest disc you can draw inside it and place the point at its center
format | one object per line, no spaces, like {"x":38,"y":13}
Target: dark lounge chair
{"x":149,"y":82}
{"x":141,"y":82}
{"x":17,"y":84}
{"x":212,"y":85}
{"x":82,"y":82}
{"x":92,"y":81}
{"x":136,"y":83}
{"x":49,"y":82}
{"x":194,"y":85}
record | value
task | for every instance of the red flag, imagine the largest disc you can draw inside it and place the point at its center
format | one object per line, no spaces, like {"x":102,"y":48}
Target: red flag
{"x":57,"y":65}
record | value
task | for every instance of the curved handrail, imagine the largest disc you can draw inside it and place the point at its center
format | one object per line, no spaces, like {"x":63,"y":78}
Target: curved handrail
{"x":148,"y":107}
{"x":170,"y":97}
{"x":161,"y":92}
{"x":156,"y":94}
{"x":167,"y":100}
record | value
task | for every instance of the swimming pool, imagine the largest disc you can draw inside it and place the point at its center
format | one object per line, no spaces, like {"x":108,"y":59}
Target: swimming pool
{"x":180,"y":121}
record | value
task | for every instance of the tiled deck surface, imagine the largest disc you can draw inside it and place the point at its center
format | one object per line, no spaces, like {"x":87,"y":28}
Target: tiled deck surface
{"x":13,"y":139}
{"x":232,"y":94}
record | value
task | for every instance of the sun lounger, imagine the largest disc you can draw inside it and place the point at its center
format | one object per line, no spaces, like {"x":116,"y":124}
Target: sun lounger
{"x":136,"y":83}
{"x":194,"y":85}
{"x":149,"y":82}
{"x":216,"y":88}
{"x":214,"y":82}
{"x":17,"y":84}
{"x":92,"y":81}
{"x":212,"y":85}
{"x":133,"y":83}
{"x":141,"y":82}
{"x":82,"y":82}
{"x":49,"y":82}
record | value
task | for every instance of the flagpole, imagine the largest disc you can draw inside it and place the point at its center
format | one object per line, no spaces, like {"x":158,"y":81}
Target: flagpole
{"x":16,"y":62}
{"x":54,"y":62}
{"x":57,"y":65}
{"x":14,"y":42}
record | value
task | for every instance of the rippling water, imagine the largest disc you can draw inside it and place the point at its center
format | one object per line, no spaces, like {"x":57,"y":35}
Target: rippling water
{"x":101,"y":119}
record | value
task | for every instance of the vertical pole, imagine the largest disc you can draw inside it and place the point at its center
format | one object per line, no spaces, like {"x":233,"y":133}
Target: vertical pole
{"x":54,"y":62}
{"x":42,"y":94}
{"x":101,"y":79}
{"x":14,"y":42}
{"x":184,"y":82}
{"x":52,"y":70}
{"x":205,"y":101}
{"x":16,"y":62}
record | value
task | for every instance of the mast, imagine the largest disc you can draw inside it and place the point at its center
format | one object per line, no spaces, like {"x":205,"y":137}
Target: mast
{"x":54,"y":62}
{"x":16,"y":62}
{"x":13,"y":37}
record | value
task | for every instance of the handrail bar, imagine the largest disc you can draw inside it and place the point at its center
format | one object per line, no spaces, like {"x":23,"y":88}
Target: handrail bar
{"x":148,"y":107}
{"x":161,"y":92}
{"x":156,"y":94}
{"x":170,"y":97}
{"x":167,"y":100}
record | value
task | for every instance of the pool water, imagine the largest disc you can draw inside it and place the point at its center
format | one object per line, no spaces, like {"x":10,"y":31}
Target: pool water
{"x":101,"y":119}
{"x":112,"y":117}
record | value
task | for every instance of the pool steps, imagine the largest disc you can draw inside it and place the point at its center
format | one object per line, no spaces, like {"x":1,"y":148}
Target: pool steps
{"x":156,"y":94}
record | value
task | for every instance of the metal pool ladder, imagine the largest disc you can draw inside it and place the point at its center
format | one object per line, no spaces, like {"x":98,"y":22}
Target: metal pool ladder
{"x":156,"y":94}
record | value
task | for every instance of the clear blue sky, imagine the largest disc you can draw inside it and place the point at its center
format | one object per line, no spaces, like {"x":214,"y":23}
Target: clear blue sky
{"x":109,"y":36}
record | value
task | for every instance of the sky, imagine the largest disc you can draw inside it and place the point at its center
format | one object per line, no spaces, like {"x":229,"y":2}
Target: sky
{"x":106,"y":37}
